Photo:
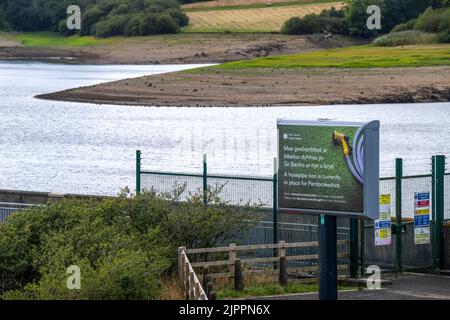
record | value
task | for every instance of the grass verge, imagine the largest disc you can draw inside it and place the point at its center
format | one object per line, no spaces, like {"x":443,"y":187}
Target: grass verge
{"x":367,"y":56}
{"x":53,"y":39}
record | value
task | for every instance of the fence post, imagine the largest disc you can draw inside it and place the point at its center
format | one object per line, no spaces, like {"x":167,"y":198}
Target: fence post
{"x":283,"y":264}
{"x":438,"y":173}
{"x":181,"y":262}
{"x":205,"y":181}
{"x":186,"y":280}
{"x":138,"y":171}
{"x":191,"y":286}
{"x":398,"y":212}
{"x":238,"y":275}
{"x":275,"y":205}
{"x":232,"y":256}
{"x":354,"y":247}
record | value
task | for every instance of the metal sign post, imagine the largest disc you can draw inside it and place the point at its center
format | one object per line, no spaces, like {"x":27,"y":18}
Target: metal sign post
{"x":328,"y":258}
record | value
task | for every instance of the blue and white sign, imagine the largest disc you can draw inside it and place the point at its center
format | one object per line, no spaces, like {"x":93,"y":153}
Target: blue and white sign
{"x":422,"y":230}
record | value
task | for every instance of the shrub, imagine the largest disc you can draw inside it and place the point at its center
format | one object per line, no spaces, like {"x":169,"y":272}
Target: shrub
{"x":89,"y":19}
{"x":166,"y":24}
{"x":132,"y":28}
{"x":313,"y":23}
{"x":434,"y":20}
{"x":408,"y":37}
{"x":124,"y":246}
{"x":156,"y":24}
{"x":113,"y":26}
{"x":405,"y":26}
{"x":148,"y":24}
{"x":179,"y":16}
{"x":4,"y":25}
{"x":443,"y":37}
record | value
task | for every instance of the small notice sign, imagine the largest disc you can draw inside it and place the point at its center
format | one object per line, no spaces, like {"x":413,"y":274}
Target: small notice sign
{"x":383,"y":234}
{"x":422,"y":232}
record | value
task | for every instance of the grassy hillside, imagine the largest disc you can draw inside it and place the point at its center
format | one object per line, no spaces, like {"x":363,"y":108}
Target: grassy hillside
{"x":353,"y":57}
{"x":250,"y":18}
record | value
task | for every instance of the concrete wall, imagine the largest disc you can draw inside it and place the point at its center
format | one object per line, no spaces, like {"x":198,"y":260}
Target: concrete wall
{"x":34,"y":197}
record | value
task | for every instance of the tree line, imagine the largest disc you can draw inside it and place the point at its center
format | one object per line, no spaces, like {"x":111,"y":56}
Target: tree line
{"x":352,"y":19}
{"x":101,"y":18}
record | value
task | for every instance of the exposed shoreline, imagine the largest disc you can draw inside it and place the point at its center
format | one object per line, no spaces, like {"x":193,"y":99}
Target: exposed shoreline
{"x":270,"y":87}
{"x":173,"y":49}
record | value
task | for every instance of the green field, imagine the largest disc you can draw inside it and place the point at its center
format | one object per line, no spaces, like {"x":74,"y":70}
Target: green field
{"x":354,"y":57}
{"x":251,"y":18}
{"x":53,"y":39}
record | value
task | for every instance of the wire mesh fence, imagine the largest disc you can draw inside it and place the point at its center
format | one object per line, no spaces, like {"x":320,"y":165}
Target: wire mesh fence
{"x":447,"y":197}
{"x":259,"y":190}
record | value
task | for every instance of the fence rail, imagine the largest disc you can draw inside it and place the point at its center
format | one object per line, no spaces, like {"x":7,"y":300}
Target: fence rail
{"x":282,"y":258}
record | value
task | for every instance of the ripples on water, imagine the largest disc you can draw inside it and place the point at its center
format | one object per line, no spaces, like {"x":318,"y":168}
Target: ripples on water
{"x":86,"y":148}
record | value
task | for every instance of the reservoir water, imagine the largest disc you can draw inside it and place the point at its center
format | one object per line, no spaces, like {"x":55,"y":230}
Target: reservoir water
{"x":90,"y":149}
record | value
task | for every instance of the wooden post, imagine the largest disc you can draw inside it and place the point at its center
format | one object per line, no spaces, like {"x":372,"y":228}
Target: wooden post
{"x":212,"y":295}
{"x":191,"y":286}
{"x":182,"y":268}
{"x":238,"y":275}
{"x":232,"y":256}
{"x":181,"y":250}
{"x":197,"y":291}
{"x":283,"y":272}
{"x":282,"y":246}
{"x":186,"y":280}
{"x":205,"y":278}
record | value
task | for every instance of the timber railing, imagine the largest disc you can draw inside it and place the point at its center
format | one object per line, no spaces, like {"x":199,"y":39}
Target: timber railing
{"x":234,"y":264}
{"x":192,"y":287}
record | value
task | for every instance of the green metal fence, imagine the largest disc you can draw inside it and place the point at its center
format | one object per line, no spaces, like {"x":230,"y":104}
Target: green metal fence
{"x":402,"y":254}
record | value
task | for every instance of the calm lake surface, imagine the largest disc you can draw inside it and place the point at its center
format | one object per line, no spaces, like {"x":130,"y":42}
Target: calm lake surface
{"x":90,"y":149}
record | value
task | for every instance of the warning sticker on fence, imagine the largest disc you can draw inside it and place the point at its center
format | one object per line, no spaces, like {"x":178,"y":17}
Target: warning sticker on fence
{"x":383,"y":224}
{"x":422,"y":218}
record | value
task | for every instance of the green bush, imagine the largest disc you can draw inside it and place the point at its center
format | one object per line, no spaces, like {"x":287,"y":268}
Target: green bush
{"x":156,"y":24}
{"x":408,"y":37}
{"x":434,"y":20}
{"x":166,"y":24}
{"x":405,"y":26}
{"x":132,"y":27}
{"x":4,"y":25}
{"x":88,"y":20}
{"x":313,"y":23}
{"x":113,"y":26}
{"x":179,"y":16}
{"x":124,"y":246}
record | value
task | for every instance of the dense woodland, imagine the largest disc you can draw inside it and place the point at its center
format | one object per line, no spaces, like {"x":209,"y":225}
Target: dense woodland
{"x":102,"y":18}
